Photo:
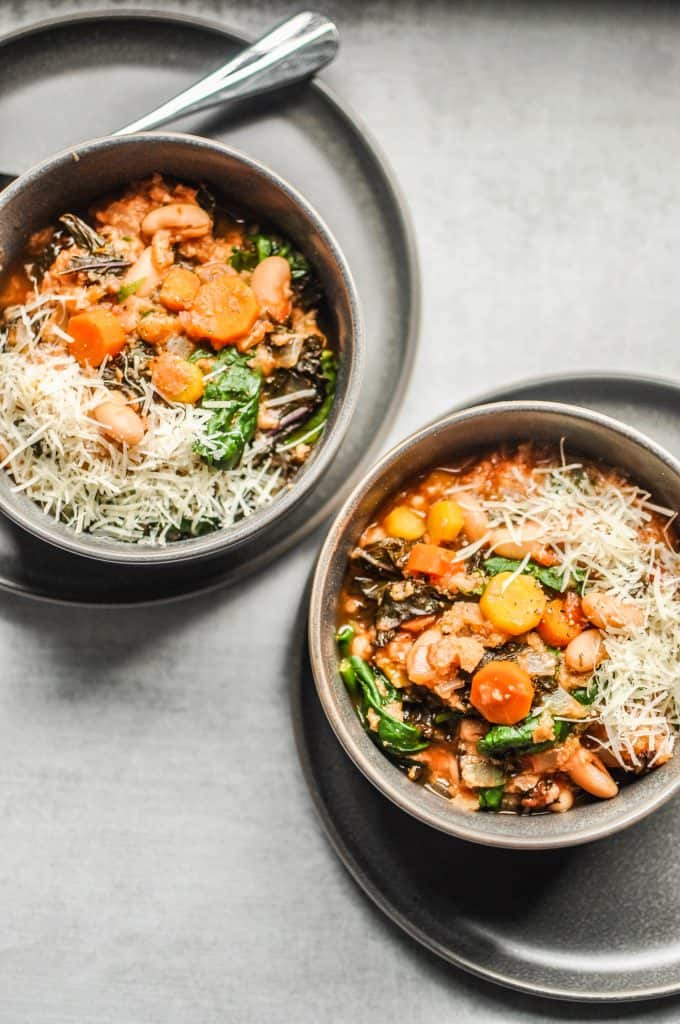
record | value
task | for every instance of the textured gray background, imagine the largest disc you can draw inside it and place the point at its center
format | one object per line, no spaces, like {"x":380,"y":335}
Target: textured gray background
{"x":159,"y":857}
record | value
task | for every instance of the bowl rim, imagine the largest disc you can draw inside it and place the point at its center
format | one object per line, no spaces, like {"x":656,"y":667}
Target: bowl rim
{"x":460,"y":825}
{"x":217,"y":542}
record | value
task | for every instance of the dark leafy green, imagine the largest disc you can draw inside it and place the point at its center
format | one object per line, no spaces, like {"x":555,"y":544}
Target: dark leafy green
{"x":500,"y":739}
{"x":397,"y":602}
{"x":385,"y":557}
{"x":310,"y":431}
{"x":586,"y":694}
{"x":82,"y":234}
{"x":258,"y":247}
{"x":393,"y":736}
{"x":490,"y":799}
{"x":550,"y":578}
{"x":344,"y":637}
{"x":236,"y":394}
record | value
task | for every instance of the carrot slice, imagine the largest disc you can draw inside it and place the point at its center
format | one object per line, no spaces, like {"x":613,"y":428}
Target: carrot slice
{"x":97,"y":333}
{"x":224,"y":309}
{"x":179,"y":289}
{"x":430,"y":559}
{"x":177,"y":379}
{"x":562,"y":621}
{"x":502,"y":692}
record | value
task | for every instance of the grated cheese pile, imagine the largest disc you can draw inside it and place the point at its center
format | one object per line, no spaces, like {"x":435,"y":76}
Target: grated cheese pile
{"x":603,"y":526}
{"x":57,"y":455}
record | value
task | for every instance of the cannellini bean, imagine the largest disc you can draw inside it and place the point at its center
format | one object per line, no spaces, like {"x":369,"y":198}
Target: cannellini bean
{"x":523,"y":542}
{"x":475,"y":519}
{"x":564,"y":801}
{"x":585,"y":651}
{"x":144,"y":274}
{"x":271,"y":284}
{"x":162,"y":252}
{"x":119,"y":421}
{"x":184,"y":220}
{"x":605,"y":610}
{"x":587,"y":771}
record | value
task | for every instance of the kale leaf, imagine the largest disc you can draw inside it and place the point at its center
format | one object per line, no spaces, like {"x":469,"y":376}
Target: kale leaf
{"x":258,"y":247}
{"x":550,"y":578}
{"x":233,"y":394}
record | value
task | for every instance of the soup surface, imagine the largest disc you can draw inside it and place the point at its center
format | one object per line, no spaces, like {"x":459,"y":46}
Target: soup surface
{"x":163,"y":372}
{"x":510,"y":631}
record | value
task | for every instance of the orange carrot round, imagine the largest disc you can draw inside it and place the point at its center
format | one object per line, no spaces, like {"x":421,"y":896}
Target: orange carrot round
{"x":224,"y":309}
{"x":177,"y":379}
{"x":502,"y":692}
{"x":179,"y":289}
{"x":97,"y":333}
{"x":562,"y":621}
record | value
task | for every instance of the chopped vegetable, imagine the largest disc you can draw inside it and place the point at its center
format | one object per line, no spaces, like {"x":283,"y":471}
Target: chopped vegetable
{"x":513,"y":604}
{"x":444,"y":521}
{"x":126,"y":290}
{"x":344,"y":637}
{"x":550,"y":578}
{"x":562,"y":621}
{"x":430,"y":559}
{"x":233,"y":392}
{"x":501,"y":739}
{"x":223,"y":310}
{"x":490,"y":799}
{"x":310,"y":431}
{"x":502,"y":692}
{"x":258,"y":247}
{"x":96,"y":334}
{"x":393,"y":736}
{"x":177,"y":379}
{"x":179,"y":289}
{"x":405,"y":523}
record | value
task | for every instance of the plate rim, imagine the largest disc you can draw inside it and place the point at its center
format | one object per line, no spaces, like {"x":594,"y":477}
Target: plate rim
{"x":344,"y":851}
{"x":389,"y":186}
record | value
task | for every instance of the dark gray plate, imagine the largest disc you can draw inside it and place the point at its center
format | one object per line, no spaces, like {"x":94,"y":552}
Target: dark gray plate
{"x":596,"y":923}
{"x":127,"y":63}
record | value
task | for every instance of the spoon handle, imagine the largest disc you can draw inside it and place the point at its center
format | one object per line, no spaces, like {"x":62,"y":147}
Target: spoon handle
{"x":293,"y":50}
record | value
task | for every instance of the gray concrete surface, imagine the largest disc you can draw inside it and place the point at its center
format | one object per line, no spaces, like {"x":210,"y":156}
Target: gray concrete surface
{"x":159,"y":857}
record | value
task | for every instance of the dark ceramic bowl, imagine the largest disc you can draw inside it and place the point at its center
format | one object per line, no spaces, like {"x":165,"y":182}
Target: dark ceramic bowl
{"x":463,"y":433}
{"x":74,"y":178}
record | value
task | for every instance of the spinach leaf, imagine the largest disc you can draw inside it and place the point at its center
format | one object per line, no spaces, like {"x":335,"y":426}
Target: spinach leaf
{"x":344,"y":637}
{"x":258,"y":247}
{"x":234,"y":395}
{"x":490,"y":799}
{"x":503,"y":738}
{"x":548,"y":577}
{"x":310,"y":431}
{"x":586,"y":694}
{"x":393,"y":736}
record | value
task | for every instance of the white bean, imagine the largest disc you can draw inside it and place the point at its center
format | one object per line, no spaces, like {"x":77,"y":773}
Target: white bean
{"x":585,"y":651}
{"x":271,"y":284}
{"x":475,"y":519}
{"x":523,"y":542}
{"x":184,"y":220}
{"x":586,"y":769}
{"x":604,"y":610}
{"x":564,"y":802}
{"x":119,"y":421}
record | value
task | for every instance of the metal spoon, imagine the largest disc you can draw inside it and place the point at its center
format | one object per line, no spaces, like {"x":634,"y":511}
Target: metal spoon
{"x":290,"y":52}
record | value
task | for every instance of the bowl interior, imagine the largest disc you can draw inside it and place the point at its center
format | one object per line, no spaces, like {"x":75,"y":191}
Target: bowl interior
{"x":72,"y":179}
{"x":461,"y":434}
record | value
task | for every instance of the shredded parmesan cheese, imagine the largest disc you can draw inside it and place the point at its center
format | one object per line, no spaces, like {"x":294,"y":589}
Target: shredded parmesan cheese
{"x":602,"y":526}
{"x":58,"y":456}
